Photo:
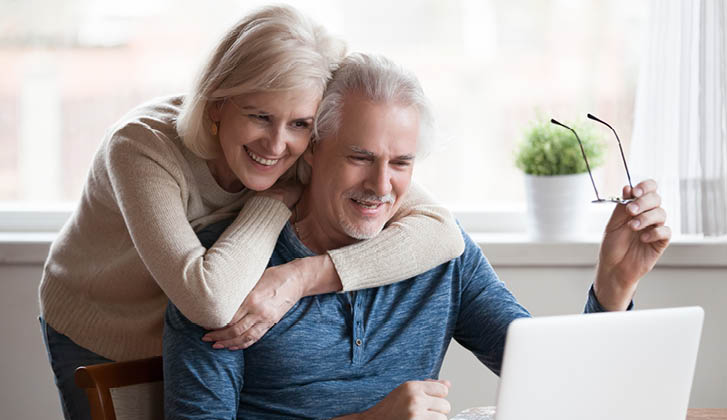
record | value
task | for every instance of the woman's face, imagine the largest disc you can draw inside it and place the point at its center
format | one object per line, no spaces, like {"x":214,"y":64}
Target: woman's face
{"x":262,"y":135}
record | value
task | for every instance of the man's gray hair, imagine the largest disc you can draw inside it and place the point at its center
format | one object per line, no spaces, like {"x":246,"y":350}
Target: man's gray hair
{"x":379,"y":80}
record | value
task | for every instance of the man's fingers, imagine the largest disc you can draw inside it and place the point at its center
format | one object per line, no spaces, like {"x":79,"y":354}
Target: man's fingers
{"x":645,"y":203}
{"x":640,"y":189}
{"x":440,"y":405}
{"x":658,"y":233}
{"x":655,"y":217}
{"x":441,"y":381}
{"x":435,"y":388}
{"x":645,"y":187}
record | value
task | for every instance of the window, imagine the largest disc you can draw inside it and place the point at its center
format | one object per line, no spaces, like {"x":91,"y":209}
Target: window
{"x":488,"y":67}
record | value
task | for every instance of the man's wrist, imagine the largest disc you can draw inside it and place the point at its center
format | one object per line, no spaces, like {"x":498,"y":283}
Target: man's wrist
{"x":611,"y":295}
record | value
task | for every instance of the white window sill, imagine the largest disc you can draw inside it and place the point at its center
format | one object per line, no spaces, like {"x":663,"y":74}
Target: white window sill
{"x":26,"y":234}
{"x":501,"y":249}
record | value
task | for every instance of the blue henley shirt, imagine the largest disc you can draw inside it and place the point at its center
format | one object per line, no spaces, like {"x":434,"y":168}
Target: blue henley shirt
{"x":341,"y":353}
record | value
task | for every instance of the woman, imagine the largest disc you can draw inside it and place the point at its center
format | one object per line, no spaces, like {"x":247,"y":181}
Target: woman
{"x":177,"y":164}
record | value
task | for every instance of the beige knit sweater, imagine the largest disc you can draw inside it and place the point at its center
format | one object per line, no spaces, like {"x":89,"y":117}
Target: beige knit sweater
{"x":131,"y":244}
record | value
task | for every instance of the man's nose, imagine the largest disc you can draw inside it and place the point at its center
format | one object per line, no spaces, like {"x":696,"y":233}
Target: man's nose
{"x":379,"y":179}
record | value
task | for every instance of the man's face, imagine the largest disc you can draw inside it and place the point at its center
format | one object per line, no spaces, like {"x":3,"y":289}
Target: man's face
{"x":360,"y":175}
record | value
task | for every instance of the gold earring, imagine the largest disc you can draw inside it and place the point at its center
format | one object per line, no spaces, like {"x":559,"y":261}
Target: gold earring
{"x":213,"y":128}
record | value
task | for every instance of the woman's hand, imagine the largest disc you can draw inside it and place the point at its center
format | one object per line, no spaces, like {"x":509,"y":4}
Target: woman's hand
{"x":288,"y":192}
{"x":276,"y":292}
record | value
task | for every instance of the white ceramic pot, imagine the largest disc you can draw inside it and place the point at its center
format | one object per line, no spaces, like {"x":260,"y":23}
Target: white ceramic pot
{"x":557,"y":206}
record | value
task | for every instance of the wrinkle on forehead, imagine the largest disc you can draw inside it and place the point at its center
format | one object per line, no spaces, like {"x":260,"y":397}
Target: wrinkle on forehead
{"x":360,"y":150}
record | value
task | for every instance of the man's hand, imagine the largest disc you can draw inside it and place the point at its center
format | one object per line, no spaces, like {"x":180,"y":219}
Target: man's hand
{"x":274,"y":294}
{"x":634,"y":240}
{"x":410,"y":400}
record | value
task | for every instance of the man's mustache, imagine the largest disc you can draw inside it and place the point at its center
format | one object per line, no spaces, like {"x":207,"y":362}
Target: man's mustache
{"x":371,"y":197}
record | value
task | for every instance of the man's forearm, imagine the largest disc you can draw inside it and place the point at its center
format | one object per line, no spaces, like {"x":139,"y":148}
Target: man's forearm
{"x":611,"y":294}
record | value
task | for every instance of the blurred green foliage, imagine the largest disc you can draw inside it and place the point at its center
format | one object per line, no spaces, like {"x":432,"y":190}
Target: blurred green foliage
{"x":549,"y":149}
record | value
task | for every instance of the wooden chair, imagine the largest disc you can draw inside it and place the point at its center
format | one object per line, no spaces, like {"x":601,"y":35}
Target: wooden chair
{"x":124,"y":390}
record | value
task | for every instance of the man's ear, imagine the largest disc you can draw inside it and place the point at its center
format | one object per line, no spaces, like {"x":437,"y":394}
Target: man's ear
{"x":308,"y":154}
{"x":214,"y":110}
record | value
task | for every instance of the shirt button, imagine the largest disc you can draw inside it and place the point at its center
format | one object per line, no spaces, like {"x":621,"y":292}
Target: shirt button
{"x":358,"y":342}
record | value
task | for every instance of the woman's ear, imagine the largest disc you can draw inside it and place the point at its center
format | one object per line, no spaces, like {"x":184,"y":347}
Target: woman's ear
{"x":214,"y":110}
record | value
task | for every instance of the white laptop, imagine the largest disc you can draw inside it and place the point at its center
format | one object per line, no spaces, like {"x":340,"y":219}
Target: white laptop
{"x":634,"y":365}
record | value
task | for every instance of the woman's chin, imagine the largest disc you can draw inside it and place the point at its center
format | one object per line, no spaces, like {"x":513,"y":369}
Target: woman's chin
{"x":259,"y":184}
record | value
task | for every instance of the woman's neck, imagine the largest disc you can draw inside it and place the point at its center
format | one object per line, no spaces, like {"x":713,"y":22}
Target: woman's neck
{"x":224,"y":176}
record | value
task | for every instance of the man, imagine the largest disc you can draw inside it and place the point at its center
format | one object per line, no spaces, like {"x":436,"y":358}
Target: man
{"x":377,"y":353}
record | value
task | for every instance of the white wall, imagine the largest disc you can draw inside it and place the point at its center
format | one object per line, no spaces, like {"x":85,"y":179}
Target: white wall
{"x":27,"y":390}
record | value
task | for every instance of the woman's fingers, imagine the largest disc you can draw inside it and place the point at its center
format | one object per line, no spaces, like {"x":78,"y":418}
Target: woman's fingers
{"x":246,"y":340}
{"x":234,"y":330}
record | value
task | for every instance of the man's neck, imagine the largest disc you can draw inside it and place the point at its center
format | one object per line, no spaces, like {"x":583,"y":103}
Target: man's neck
{"x":315,"y":233}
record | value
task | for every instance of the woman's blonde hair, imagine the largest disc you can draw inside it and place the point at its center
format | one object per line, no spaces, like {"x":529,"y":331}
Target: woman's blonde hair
{"x":276,"y":48}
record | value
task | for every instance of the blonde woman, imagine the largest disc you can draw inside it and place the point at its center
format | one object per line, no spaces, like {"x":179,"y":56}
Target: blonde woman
{"x":177,"y":164}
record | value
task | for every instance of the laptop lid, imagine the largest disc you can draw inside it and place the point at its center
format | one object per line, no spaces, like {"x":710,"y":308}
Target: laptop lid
{"x":618,"y":365}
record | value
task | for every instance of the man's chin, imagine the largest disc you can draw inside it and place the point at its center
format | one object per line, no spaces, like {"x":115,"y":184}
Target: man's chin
{"x":361,"y":231}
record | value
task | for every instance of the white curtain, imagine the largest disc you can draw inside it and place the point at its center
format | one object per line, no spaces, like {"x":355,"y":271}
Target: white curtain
{"x":680,"y":134}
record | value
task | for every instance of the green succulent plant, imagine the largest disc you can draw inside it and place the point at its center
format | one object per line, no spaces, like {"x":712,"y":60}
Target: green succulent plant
{"x":548,"y":149}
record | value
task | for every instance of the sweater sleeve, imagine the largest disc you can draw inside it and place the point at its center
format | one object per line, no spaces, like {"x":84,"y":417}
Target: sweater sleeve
{"x":421,"y":236}
{"x":150,"y":189}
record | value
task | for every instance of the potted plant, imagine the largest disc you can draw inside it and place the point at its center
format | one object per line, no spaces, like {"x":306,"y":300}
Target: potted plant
{"x":557,"y":185}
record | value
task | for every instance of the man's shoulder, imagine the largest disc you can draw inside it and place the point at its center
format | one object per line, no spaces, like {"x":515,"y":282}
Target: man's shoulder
{"x":472,"y":251}
{"x":471,"y":265}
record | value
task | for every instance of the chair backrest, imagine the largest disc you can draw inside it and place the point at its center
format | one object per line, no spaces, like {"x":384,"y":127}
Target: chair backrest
{"x":124,"y":390}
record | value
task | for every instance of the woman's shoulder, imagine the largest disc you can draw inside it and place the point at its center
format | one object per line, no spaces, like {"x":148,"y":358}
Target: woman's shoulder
{"x":147,"y":133}
{"x":150,"y":126}
{"x":159,"y":114}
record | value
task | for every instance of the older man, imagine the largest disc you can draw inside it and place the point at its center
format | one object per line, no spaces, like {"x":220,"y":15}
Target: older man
{"x":377,"y":353}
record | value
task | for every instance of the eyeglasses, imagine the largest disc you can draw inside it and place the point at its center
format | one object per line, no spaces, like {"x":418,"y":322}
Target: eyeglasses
{"x":598,"y":199}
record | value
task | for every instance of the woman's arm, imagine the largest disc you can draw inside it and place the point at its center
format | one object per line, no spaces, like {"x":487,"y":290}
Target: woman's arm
{"x":420,"y":236}
{"x":150,"y":188}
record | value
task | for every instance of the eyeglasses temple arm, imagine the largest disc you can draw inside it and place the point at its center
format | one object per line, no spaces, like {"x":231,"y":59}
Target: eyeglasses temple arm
{"x":620,"y":148}
{"x":552,"y":120}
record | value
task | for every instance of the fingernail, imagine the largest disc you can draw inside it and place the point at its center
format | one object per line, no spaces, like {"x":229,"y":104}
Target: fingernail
{"x":633,"y":208}
{"x":205,"y":338}
{"x":218,"y":346}
{"x":635,"y":223}
{"x":637,"y":192}
{"x":233,"y":348}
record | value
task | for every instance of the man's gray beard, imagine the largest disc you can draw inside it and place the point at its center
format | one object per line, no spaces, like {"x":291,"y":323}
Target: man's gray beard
{"x":355,"y":232}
